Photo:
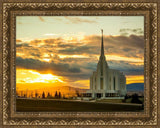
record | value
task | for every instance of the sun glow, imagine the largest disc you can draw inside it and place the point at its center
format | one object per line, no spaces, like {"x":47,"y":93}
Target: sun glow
{"x":31,"y":76}
{"x":20,"y":54}
{"x":45,"y":59}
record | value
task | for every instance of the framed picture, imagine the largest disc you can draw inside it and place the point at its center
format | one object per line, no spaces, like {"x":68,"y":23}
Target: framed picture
{"x":79,"y":63}
{"x":75,"y":68}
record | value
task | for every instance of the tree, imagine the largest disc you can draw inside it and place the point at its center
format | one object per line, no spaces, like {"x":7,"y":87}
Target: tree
{"x":48,"y":95}
{"x":36,"y":94}
{"x":43,"y":95}
{"x":125,"y":98}
{"x":135,"y":99}
{"x":59,"y":95}
{"x":56,"y":95}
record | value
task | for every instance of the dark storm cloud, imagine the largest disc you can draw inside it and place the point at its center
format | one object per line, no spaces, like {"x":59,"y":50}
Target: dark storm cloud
{"x":40,"y":66}
{"x":126,"y":67}
{"x":91,"y":66}
{"x":65,"y":70}
{"x":74,"y":70}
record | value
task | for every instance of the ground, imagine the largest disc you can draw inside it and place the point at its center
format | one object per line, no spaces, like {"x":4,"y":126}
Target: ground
{"x":119,"y":100}
{"x":44,"y":105}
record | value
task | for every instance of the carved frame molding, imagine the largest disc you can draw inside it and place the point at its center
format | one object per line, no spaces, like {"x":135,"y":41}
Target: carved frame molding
{"x":12,"y":9}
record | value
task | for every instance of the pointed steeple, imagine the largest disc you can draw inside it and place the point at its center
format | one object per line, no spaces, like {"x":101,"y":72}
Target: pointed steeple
{"x":102,"y":47}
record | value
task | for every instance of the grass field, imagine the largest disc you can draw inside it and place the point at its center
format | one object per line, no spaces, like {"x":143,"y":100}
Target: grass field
{"x":110,"y":100}
{"x":118,"y":100}
{"x":34,"y":105}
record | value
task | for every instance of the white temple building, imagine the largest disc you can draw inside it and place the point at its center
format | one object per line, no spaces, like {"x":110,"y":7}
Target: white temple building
{"x":105,"y":82}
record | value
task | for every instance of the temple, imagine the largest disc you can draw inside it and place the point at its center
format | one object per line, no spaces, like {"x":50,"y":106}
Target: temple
{"x":106,"y":82}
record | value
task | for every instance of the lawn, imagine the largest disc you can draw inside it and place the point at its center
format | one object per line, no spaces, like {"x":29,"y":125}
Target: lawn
{"x":110,"y":100}
{"x":33,"y":105}
{"x":118,"y":100}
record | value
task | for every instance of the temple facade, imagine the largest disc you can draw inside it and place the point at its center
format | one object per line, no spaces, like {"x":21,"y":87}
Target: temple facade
{"x":106,"y":82}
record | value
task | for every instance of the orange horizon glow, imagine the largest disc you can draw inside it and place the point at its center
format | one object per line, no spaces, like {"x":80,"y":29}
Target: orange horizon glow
{"x":32,"y":82}
{"x":134,"y":79}
{"x":31,"y":79}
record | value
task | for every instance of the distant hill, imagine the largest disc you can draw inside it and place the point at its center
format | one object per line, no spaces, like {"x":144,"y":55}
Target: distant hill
{"x":135,"y":87}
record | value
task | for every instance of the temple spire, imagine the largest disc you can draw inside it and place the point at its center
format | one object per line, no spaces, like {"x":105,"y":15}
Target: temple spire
{"x":102,"y":47}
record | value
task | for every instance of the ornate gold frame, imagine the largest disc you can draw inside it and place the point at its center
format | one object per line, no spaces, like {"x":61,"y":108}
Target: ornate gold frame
{"x":11,"y":9}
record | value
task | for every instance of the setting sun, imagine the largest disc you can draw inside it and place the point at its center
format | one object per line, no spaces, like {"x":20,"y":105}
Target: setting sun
{"x":30,"y":76}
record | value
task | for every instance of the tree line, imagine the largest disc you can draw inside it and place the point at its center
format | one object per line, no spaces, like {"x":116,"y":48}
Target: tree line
{"x":43,"y":95}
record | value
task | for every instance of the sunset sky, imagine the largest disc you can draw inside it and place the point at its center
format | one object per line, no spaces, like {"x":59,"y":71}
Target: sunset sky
{"x":64,"y":50}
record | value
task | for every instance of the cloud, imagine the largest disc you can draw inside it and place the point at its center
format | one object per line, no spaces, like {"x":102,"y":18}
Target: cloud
{"x":17,"y":41}
{"x":65,"y":70}
{"x":78,"y":50}
{"x":74,"y":70}
{"x":22,"y":45}
{"x":35,"y":54}
{"x":127,"y":31}
{"x":42,"y":66}
{"x":78,"y":70}
{"x":129,"y":46}
{"x":77,"y":20}
{"x":125,"y":46}
{"x":126,"y":67}
{"x":41,"y":19}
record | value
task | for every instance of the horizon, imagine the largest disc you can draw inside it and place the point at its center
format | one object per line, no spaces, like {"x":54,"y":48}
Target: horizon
{"x":47,"y":58}
{"x":67,"y":92}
